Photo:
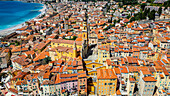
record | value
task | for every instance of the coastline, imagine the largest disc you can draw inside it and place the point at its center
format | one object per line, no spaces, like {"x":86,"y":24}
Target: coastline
{"x":12,"y":29}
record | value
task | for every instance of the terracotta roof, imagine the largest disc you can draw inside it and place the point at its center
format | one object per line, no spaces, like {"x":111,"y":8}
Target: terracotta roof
{"x":123,"y":69}
{"x":66,"y":41}
{"x":118,"y":92}
{"x":132,"y":69}
{"x":46,"y":75}
{"x":18,"y":82}
{"x":151,"y":79}
{"x":165,"y":61}
{"x":106,"y":74}
{"x":57,"y":79}
{"x":46,"y":82}
{"x":13,"y":90}
{"x":42,"y":55}
{"x":109,"y":62}
{"x":117,"y":70}
{"x":82,"y":75}
{"x":132,"y":79}
{"x":68,"y":75}
{"x":39,"y":46}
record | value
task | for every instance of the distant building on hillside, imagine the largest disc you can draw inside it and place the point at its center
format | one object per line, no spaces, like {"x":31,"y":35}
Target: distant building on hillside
{"x":4,"y":58}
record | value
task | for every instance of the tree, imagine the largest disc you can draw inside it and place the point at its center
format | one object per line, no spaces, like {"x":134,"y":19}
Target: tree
{"x":152,"y":15}
{"x":114,"y":22}
{"x":109,"y":20}
{"x":140,"y":16}
{"x":166,"y":4}
{"x":143,"y":16}
{"x":146,"y":12}
{"x":160,"y":11}
{"x":150,"y":1}
{"x":128,"y":16}
{"x":143,"y":6}
{"x":118,"y":21}
{"x":132,"y":19}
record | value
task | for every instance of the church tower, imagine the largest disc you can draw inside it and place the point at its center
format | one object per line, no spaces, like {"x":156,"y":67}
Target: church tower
{"x":74,"y":50}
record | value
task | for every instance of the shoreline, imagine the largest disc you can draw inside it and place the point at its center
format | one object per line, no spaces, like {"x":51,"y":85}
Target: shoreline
{"x":10,"y":30}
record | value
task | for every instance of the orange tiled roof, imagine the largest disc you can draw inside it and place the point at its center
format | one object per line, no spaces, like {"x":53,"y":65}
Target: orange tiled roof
{"x":132,"y":79}
{"x":66,"y":41}
{"x":118,"y":92}
{"x":123,"y":69}
{"x":151,"y":79}
{"x":42,"y":55}
{"x":13,"y":90}
{"x":106,"y":74}
{"x":117,"y":70}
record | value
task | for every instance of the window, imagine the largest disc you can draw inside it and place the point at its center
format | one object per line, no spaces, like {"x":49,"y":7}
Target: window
{"x":93,"y":66}
{"x":105,"y":83}
{"x":113,"y":83}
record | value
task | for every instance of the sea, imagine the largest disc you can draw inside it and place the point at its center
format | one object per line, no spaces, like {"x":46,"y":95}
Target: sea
{"x":13,"y":13}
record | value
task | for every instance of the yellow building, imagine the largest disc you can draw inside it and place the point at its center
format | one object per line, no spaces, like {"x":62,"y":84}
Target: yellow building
{"x":16,"y":78}
{"x":65,"y":49}
{"x":131,"y":86}
{"x":93,"y":38}
{"x":106,"y":82}
{"x":162,"y":42}
{"x":92,"y":68}
{"x":103,"y":53}
{"x":162,"y":76}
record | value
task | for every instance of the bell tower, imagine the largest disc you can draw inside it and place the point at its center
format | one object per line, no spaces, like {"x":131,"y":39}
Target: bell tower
{"x":74,"y":50}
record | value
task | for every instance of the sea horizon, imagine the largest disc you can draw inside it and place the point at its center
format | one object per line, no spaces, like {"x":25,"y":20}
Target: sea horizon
{"x":13,"y":13}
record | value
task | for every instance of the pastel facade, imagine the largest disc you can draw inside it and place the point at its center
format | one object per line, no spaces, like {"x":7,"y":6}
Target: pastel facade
{"x":106,"y":82}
